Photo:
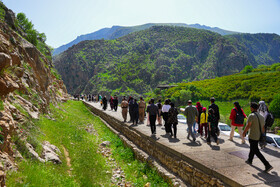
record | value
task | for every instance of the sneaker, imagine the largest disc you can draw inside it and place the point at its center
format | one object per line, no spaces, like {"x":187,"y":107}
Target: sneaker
{"x":194,"y":139}
{"x":230,"y":139}
{"x":248,"y":162}
{"x":217,"y":142}
{"x":268,"y":168}
{"x":209,"y":143}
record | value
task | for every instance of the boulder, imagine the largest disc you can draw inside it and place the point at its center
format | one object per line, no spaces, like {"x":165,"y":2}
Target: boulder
{"x":5,"y":60}
{"x":33,"y":152}
{"x":49,"y":153}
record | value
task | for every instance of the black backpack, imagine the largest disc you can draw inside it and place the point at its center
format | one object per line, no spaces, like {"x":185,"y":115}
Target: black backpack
{"x":239,"y":117}
{"x":269,"y":120}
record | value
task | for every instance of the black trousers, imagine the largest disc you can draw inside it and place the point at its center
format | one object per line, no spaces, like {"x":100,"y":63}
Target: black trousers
{"x":153,"y":123}
{"x":115,"y":107}
{"x":174,"y":125}
{"x":254,"y":150}
{"x":213,"y":134}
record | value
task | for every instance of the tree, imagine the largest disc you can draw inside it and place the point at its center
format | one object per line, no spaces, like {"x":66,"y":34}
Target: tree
{"x":185,"y":95}
{"x":247,"y":69}
{"x":275,"y":106}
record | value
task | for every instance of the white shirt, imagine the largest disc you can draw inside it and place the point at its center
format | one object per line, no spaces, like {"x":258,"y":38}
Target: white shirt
{"x":165,"y":108}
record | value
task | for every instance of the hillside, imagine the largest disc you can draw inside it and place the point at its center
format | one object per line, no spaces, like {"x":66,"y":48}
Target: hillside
{"x":28,"y":85}
{"x":138,"y":62}
{"x":261,"y":84}
{"x":119,"y":31}
{"x":265,"y":47}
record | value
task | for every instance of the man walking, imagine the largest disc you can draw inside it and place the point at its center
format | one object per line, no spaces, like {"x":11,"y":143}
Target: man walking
{"x":115,"y":103}
{"x":124,"y":106}
{"x":191,"y":112}
{"x":216,"y":113}
{"x":152,"y":109}
{"x":142,"y":108}
{"x":255,"y":123}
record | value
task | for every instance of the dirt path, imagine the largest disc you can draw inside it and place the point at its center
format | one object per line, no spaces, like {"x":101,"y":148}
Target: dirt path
{"x":68,"y":160}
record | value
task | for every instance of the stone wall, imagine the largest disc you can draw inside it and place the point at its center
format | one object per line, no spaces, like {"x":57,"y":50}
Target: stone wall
{"x":190,"y":171}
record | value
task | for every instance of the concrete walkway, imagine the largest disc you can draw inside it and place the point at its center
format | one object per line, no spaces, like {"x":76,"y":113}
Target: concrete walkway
{"x":228,"y":158}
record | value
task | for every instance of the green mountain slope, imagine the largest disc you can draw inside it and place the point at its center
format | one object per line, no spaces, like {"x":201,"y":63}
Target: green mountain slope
{"x":255,"y":86}
{"x":265,"y":47}
{"x":119,"y":31}
{"x":138,"y":62}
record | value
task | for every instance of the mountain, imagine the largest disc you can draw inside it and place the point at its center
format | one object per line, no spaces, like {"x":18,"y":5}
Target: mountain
{"x":265,"y":47}
{"x":119,"y":31}
{"x":138,"y":62}
{"x":28,"y":85}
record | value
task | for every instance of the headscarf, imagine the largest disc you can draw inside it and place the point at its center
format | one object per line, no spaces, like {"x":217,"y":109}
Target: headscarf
{"x":262,"y":107}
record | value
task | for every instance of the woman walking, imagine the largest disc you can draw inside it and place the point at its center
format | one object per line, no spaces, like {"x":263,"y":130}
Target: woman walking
{"x":237,"y":116}
{"x":212,"y":127}
{"x":173,"y":120}
{"x":165,"y":109}
{"x":203,"y":122}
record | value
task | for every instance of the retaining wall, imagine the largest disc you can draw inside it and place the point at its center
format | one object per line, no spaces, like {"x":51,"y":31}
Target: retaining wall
{"x":190,"y":171}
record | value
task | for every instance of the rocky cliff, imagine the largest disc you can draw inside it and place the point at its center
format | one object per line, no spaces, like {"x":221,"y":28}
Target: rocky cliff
{"x":28,"y":84}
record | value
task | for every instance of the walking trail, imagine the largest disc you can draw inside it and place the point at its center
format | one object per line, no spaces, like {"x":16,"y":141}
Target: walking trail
{"x":228,"y":158}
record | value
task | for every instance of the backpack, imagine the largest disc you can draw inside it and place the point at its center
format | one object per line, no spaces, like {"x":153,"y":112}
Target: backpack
{"x":239,"y":117}
{"x":269,"y":120}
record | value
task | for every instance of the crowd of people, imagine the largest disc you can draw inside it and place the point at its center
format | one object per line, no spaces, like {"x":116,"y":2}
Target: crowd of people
{"x":207,"y":120}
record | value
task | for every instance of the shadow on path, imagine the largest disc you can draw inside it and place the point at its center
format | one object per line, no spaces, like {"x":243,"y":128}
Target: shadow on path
{"x":270,"y":179}
{"x":193,"y":144}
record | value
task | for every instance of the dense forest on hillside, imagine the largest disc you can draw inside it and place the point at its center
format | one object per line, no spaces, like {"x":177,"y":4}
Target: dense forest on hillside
{"x":138,"y":62}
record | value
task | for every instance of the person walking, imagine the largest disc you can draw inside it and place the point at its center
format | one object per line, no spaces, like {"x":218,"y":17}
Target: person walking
{"x":191,"y":113}
{"x":217,"y":114}
{"x":124,"y":106}
{"x":111,"y":101}
{"x":130,"y":106}
{"x":263,"y":110}
{"x":115,"y":103}
{"x":172,"y":119}
{"x":237,"y":116}
{"x":152,"y":110}
{"x":104,"y":102}
{"x":199,"y":110}
{"x":203,"y":122}
{"x":135,"y":112}
{"x":142,"y":108}
{"x":165,"y":109}
{"x":255,"y":125}
{"x":212,"y":127}
{"x":159,"y":119}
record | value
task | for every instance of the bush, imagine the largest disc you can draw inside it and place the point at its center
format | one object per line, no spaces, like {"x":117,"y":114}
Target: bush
{"x":275,"y":106}
{"x":247,"y":69}
{"x":274,"y":66}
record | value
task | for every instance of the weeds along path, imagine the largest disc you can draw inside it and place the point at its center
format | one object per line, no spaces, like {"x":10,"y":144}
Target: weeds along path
{"x":85,"y":160}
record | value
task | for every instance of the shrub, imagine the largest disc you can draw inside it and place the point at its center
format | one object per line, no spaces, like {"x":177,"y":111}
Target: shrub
{"x":247,"y":69}
{"x":275,"y":106}
{"x":274,"y":66}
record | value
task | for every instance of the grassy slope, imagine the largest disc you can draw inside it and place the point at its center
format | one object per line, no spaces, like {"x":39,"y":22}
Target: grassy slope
{"x":89,"y":167}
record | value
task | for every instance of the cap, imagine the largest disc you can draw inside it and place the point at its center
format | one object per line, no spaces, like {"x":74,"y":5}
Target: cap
{"x":189,"y":101}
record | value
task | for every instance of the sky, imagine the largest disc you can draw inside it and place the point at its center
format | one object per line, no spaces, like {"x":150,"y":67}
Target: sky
{"x":63,"y":20}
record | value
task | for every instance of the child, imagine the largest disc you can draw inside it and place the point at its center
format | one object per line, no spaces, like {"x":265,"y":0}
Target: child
{"x":212,"y":127}
{"x":203,"y":122}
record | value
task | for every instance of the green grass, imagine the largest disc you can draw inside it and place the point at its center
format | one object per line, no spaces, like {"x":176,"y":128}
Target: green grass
{"x":89,"y":167}
{"x":1,"y":105}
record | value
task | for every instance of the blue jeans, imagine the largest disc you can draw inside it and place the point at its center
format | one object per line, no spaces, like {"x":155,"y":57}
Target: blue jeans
{"x":190,"y":130}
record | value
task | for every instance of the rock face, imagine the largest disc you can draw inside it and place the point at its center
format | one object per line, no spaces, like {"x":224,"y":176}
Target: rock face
{"x":27,"y":87}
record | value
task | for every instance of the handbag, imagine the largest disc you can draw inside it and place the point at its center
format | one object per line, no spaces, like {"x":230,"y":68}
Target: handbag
{"x":262,"y":136}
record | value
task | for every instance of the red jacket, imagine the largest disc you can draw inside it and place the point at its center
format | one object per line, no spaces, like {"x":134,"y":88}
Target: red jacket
{"x":233,"y":116}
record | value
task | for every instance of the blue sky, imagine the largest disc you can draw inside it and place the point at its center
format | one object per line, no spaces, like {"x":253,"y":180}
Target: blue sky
{"x":63,"y":20}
